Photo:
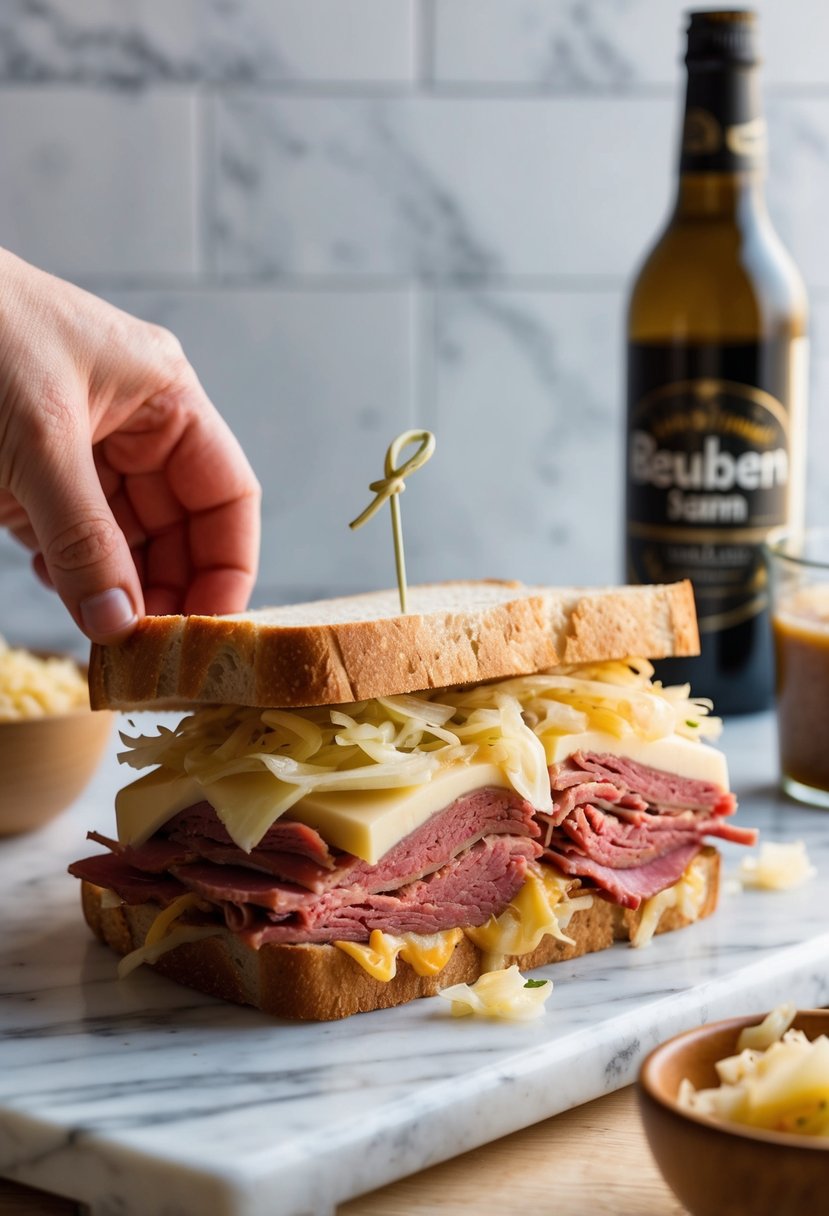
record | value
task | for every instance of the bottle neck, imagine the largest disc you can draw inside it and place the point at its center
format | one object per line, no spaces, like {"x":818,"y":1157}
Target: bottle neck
{"x":720,"y":195}
{"x":723,"y":131}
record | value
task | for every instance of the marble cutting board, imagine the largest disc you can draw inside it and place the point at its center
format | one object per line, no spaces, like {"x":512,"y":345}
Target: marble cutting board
{"x":142,"y":1096}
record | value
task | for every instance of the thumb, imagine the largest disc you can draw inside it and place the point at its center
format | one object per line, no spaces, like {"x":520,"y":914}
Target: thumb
{"x":83,"y":550}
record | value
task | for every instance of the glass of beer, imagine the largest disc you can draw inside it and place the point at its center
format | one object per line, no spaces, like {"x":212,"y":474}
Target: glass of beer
{"x":799,"y":569}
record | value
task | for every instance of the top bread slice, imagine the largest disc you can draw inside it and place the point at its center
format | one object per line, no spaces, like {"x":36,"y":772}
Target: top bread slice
{"x":351,"y":649}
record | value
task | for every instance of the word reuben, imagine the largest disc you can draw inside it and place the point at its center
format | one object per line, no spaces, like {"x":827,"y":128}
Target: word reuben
{"x":712,"y":470}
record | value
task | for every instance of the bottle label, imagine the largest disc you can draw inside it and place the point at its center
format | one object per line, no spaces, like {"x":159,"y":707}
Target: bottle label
{"x":723,"y":130}
{"x":707,"y":143}
{"x":713,"y":463}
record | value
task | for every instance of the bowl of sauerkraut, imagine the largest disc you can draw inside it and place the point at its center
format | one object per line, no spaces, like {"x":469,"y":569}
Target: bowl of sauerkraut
{"x":50,"y":740}
{"x":737,"y":1114}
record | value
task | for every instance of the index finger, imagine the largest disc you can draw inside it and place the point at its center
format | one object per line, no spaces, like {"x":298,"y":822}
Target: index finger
{"x":191,"y":486}
{"x":210,"y":476}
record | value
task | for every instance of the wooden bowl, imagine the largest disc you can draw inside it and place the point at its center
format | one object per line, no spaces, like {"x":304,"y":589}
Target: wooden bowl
{"x":724,"y":1169}
{"x":45,"y":762}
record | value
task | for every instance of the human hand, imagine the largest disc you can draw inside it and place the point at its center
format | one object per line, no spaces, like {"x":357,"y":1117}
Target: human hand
{"x":115,"y":468}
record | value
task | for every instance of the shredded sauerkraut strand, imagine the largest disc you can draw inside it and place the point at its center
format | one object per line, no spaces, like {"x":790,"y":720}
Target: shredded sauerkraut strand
{"x":402,"y":740}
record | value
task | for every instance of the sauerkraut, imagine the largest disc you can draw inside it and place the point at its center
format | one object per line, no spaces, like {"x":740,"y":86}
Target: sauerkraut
{"x":505,"y":995}
{"x":34,"y":687}
{"x":778,"y":1080}
{"x":400,"y":741}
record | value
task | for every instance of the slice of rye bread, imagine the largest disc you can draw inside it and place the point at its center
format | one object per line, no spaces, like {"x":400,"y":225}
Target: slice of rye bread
{"x":337,"y":651}
{"x":321,"y":983}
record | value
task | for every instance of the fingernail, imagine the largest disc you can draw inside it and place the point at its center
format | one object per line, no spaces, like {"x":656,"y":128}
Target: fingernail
{"x":109,"y":613}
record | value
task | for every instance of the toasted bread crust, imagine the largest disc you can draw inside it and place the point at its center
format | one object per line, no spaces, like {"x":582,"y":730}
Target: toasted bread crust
{"x":652,"y":622}
{"x":179,"y":662}
{"x":322,"y":983}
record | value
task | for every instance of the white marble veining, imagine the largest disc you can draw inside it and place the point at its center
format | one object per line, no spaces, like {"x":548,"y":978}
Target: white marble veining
{"x":606,"y":45}
{"x":536,"y":378}
{"x":141,"y":1095}
{"x":487,"y":188}
{"x":154,"y":41}
{"x":435,"y":187}
{"x":99,"y":184}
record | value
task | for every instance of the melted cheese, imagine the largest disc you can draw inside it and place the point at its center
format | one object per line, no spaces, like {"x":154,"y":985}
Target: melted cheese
{"x":688,"y":894}
{"x":425,"y":954}
{"x":165,"y":934}
{"x":535,"y":912}
{"x":164,"y":920}
{"x":541,"y":907}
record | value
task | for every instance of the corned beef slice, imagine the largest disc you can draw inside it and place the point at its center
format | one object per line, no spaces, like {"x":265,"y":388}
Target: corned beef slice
{"x":131,"y":885}
{"x":486,"y":812}
{"x":625,"y":828}
{"x":662,"y":791}
{"x":623,"y":844}
{"x":628,"y":828}
{"x":629,"y":887}
{"x":467,"y":891}
{"x":284,"y":836}
{"x":483,"y":841}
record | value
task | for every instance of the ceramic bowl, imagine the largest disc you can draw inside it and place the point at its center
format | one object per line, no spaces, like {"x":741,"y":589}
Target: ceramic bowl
{"x":720,"y":1169}
{"x":45,"y":763}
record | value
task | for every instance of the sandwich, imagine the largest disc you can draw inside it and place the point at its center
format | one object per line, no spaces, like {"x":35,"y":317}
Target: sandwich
{"x":360,"y":807}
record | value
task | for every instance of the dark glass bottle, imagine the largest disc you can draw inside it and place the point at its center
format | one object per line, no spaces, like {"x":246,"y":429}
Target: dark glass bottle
{"x":717,"y":377}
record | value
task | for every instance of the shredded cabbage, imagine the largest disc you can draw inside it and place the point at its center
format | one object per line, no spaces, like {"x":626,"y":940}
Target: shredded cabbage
{"x":778,"y":1080}
{"x":400,"y":741}
{"x":778,"y":867}
{"x":504,"y":994}
{"x":34,"y":687}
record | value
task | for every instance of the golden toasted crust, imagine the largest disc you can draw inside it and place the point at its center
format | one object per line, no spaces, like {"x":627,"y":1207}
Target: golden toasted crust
{"x":357,"y":648}
{"x":322,"y":983}
{"x":653,"y":622}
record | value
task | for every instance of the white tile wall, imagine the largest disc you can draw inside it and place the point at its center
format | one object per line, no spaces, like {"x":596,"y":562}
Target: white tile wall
{"x":261,"y":41}
{"x":817,"y":478}
{"x":608,"y":45}
{"x":362,"y":215}
{"x":315,"y":385}
{"x":798,"y":184}
{"x":528,"y":418}
{"x":438,"y":188}
{"x":96,"y":183}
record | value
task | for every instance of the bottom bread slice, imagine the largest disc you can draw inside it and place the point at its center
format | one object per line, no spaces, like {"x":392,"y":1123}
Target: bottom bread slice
{"x":322,"y":983}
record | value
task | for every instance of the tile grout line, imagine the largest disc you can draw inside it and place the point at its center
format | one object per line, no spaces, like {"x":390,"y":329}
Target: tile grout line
{"x":423,"y":64}
{"x":424,"y":44}
{"x":358,"y":285}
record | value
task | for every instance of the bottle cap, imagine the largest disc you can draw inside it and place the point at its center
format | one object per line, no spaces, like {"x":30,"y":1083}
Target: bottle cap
{"x":722,"y":37}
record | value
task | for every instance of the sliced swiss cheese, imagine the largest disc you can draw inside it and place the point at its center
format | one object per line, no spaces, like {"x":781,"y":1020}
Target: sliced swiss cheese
{"x":145,"y":805}
{"x":370,"y":822}
{"x":685,"y":757}
{"x":366,"y":823}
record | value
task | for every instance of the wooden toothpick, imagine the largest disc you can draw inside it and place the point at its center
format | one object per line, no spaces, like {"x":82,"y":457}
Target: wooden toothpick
{"x":390,"y":487}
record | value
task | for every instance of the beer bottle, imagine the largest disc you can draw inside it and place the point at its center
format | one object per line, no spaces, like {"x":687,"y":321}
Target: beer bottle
{"x":716,"y":377}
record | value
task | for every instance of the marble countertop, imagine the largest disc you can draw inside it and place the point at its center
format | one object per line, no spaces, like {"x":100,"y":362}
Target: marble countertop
{"x":142,"y":1095}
